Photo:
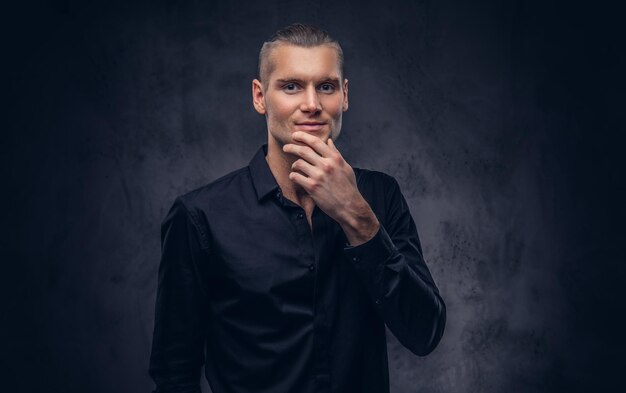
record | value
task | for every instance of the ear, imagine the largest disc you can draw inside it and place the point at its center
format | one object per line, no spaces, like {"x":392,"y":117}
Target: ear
{"x":258,"y":97}
{"x":345,"y":95}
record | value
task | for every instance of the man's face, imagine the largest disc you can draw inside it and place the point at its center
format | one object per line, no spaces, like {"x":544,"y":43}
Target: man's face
{"x":304,"y":92}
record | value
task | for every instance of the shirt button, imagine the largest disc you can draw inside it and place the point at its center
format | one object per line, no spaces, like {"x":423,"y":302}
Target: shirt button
{"x":355,"y":259}
{"x":311,"y":267}
{"x":377,"y":301}
{"x":300,"y":215}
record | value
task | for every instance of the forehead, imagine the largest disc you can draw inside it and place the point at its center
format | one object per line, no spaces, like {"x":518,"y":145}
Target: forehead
{"x":291,"y":61}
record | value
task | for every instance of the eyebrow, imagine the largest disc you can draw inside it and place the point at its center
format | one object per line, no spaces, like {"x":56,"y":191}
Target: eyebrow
{"x":329,"y":79}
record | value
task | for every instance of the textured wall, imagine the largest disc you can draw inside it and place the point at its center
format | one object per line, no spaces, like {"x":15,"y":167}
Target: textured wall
{"x":496,"y":119}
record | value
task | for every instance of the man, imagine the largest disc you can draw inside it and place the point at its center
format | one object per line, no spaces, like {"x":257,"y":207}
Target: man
{"x":270,"y":301}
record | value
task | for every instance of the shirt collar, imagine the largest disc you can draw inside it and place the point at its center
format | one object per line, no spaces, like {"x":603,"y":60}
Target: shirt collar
{"x":262,"y":177}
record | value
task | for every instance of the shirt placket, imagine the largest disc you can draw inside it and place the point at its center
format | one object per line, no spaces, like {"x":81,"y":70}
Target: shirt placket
{"x":320,"y":325}
{"x":310,"y":257}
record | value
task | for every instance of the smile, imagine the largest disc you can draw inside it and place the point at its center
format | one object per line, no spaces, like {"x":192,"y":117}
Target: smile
{"x":310,"y":126}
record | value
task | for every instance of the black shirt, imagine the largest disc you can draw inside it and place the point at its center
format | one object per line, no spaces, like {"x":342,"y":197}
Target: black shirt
{"x":269,"y":305}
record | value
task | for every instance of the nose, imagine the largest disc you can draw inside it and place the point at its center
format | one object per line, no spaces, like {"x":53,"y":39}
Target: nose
{"x":311,"y":101}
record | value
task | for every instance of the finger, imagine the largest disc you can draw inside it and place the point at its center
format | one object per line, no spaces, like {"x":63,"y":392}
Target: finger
{"x":304,"y":152}
{"x":306,"y":182}
{"x":316,"y":143}
{"x":331,"y":144}
{"x":306,"y":168}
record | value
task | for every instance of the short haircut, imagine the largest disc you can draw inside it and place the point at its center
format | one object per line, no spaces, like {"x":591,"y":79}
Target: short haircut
{"x":297,"y":34}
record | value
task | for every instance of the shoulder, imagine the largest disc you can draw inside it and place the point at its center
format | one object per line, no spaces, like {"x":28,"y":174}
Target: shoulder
{"x":215,"y":190}
{"x":379,"y":189}
{"x":198,"y":202}
{"x":196,"y":206}
{"x":368,"y":179}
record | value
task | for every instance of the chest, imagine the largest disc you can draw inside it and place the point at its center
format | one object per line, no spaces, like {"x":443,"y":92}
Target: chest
{"x":271,"y":254}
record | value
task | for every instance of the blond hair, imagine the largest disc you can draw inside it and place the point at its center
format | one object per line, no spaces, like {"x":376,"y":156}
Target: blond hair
{"x":297,"y":34}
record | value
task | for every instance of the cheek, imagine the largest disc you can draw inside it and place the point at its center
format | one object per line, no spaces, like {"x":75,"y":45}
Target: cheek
{"x":281,"y":110}
{"x":334,"y":105}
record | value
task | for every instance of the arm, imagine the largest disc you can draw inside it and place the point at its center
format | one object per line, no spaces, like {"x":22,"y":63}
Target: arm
{"x":178,"y":341}
{"x":388,"y":258}
{"x":392,"y":267}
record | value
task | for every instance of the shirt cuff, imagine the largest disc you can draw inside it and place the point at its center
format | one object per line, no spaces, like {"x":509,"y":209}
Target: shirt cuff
{"x":373,"y":252}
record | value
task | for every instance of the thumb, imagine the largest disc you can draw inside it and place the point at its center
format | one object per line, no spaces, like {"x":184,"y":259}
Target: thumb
{"x":331,"y":144}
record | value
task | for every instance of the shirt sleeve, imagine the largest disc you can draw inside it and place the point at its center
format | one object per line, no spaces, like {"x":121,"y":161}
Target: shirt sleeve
{"x":397,"y":279}
{"x":179,"y":328}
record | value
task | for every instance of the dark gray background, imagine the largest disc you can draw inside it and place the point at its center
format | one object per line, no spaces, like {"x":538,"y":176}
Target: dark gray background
{"x":500,"y":121}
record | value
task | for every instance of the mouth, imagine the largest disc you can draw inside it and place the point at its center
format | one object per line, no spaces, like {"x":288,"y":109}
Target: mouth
{"x":310,"y":125}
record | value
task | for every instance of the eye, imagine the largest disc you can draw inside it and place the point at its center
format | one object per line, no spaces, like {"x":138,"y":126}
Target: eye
{"x":327,"y":87}
{"x":290,"y":87}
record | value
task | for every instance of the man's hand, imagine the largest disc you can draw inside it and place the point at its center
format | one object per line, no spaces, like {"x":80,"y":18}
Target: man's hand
{"x":324,"y":174}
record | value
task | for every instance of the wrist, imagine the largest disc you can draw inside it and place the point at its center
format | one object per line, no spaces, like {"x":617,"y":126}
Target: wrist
{"x":359,"y":223}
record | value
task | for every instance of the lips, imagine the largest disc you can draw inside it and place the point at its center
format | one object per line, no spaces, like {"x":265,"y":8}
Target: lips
{"x":310,"y":125}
